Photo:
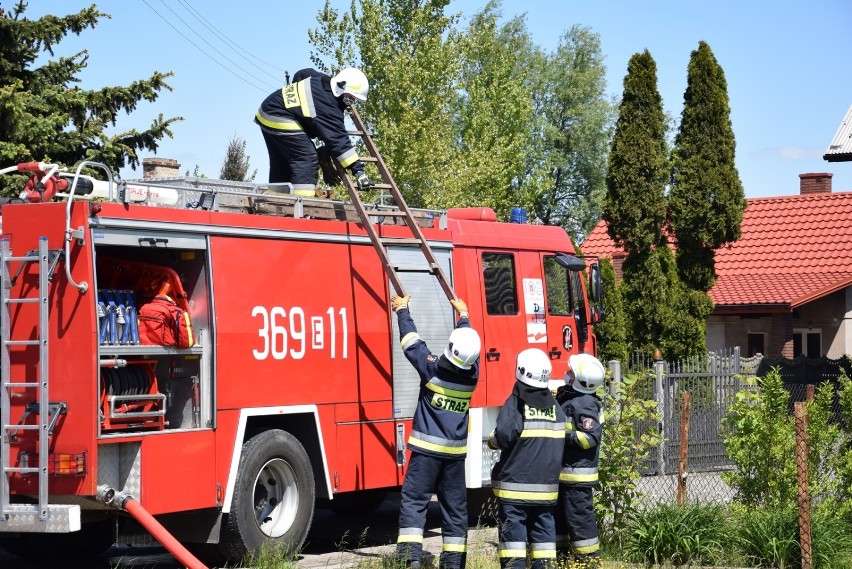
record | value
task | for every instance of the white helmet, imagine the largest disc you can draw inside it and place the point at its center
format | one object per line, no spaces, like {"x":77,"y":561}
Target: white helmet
{"x":463,"y":347}
{"x":533,"y":368}
{"x":351,"y":81}
{"x":586,"y":371}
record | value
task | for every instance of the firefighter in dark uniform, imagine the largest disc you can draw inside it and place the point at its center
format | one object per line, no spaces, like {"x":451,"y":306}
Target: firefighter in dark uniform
{"x":530,"y":433}
{"x":438,"y":439}
{"x":311,"y":107}
{"x":577,"y":527}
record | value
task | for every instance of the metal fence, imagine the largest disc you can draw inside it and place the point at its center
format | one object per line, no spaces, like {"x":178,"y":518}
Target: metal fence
{"x":712,"y":382}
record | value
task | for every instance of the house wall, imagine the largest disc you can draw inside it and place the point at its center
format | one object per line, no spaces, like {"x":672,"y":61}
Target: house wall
{"x":831,"y":316}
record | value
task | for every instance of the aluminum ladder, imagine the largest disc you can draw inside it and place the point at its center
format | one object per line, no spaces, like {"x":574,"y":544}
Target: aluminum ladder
{"x":404,"y":213}
{"x":8,"y":430}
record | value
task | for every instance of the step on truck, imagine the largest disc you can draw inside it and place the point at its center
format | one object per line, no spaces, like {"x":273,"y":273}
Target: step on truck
{"x":269,"y":380}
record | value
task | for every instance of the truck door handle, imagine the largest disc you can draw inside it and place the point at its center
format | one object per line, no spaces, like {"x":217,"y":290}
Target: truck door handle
{"x":492,"y":355}
{"x":153,"y":241}
{"x":555,"y":354}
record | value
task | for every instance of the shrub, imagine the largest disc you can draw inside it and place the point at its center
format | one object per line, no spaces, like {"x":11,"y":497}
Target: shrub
{"x":679,"y":535}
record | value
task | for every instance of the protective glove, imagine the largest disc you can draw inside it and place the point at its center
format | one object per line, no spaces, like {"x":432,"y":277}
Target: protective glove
{"x":492,"y":444}
{"x":460,"y":307}
{"x":398,"y":302}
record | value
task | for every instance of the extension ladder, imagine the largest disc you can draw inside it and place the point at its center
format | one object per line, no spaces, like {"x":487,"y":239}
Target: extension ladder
{"x":379,"y":243}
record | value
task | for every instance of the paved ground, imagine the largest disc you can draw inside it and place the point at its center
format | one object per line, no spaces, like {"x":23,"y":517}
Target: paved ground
{"x":335,"y":541}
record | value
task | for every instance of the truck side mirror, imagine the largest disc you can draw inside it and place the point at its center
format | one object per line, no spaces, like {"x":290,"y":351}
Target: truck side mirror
{"x":597,"y":314}
{"x":595,"y":285}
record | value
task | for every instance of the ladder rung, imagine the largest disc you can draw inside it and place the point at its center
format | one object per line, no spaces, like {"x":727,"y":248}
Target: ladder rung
{"x":24,"y":259}
{"x":21,"y":427}
{"x":412,"y":269}
{"x":22,"y":384}
{"x":357,"y":133}
{"x":22,"y":300}
{"x":22,"y":342}
{"x":380,"y":213}
{"x":380,"y":187}
{"x":400,"y":241}
{"x":368,"y":159}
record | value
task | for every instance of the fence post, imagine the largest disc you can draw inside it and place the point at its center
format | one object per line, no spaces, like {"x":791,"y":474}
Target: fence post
{"x":802,"y":486}
{"x":615,"y":368}
{"x":683,"y":456}
{"x":659,"y":367}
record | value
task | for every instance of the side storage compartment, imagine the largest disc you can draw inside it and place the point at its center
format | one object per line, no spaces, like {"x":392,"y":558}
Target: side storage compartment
{"x":154,"y":331}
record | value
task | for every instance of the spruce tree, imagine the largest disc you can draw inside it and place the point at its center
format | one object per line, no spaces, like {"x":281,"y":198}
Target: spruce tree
{"x":706,"y":199}
{"x":236,"y":164}
{"x":45,"y":116}
{"x":635,"y":203}
{"x":612,"y":332}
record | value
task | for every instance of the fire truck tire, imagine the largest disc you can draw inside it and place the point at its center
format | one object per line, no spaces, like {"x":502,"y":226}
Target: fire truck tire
{"x":273,"y":500}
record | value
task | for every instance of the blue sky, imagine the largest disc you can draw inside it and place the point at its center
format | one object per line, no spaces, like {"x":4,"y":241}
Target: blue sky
{"x":786,"y":62}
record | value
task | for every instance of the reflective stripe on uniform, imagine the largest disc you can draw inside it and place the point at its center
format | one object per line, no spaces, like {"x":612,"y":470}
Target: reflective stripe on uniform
{"x":542,"y":429}
{"x":348,"y":158}
{"x":569,"y":474}
{"x":512,"y":549}
{"x":458,"y":544}
{"x":277,"y":123}
{"x":586,"y":546}
{"x":410,"y":535}
{"x":543,"y":550}
{"x":452,"y":389}
{"x":409,"y":339}
{"x":437,"y":444}
{"x":584,"y":440}
{"x":306,"y":97}
{"x":526,"y":492}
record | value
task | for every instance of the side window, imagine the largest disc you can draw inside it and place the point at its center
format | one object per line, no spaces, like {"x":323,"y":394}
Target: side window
{"x":498,"y":274}
{"x":557,"y":288}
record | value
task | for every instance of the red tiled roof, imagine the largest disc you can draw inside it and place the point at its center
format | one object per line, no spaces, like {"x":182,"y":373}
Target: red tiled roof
{"x":793,"y":249}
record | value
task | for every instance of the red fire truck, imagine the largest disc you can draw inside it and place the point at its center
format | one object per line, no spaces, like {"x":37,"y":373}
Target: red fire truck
{"x":292,"y":389}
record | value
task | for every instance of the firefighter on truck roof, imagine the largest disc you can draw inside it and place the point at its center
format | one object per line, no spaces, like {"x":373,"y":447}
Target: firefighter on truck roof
{"x":438,"y":439}
{"x":530,"y":433}
{"x":311,"y":107}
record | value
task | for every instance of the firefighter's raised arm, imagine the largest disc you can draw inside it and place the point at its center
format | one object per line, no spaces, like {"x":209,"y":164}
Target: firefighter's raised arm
{"x":460,"y":307}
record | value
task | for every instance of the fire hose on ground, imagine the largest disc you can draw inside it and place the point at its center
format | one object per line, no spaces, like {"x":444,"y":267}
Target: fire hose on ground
{"x":129,"y":504}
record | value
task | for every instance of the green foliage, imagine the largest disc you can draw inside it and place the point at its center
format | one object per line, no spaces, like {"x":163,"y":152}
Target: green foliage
{"x":679,"y":535}
{"x":760,"y":440}
{"x":476,"y":116}
{"x":612,"y":332}
{"x":573,"y":133}
{"x":683,"y":325}
{"x":706,"y":199}
{"x":237,"y":162}
{"x":646,"y":292}
{"x":635,"y":204}
{"x":44,"y":116}
{"x":830,"y":449}
{"x":628,"y":439}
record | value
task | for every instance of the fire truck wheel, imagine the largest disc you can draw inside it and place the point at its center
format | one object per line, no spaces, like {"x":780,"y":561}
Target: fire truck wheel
{"x":273,"y":500}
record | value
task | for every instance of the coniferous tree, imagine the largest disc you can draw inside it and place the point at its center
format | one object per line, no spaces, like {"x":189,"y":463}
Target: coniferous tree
{"x":706,"y":199}
{"x":612,"y":332}
{"x":45,"y":116}
{"x":237,"y":162}
{"x":635,"y":203}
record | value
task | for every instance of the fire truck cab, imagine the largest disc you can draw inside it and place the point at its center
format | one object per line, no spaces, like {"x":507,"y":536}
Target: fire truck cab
{"x":294,"y":388}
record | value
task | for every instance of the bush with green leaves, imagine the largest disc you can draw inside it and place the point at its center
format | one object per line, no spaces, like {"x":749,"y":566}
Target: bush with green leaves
{"x":760,"y":440}
{"x":629,"y":435}
{"x":690,"y":534}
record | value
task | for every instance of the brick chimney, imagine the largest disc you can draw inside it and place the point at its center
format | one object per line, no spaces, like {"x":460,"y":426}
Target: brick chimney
{"x":161,"y":168}
{"x":815,"y":183}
